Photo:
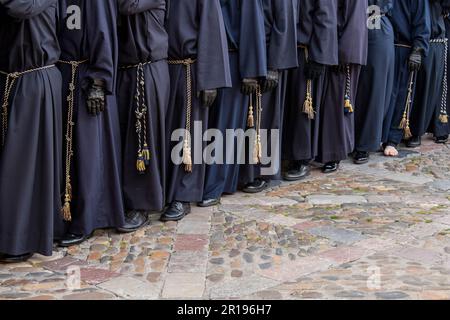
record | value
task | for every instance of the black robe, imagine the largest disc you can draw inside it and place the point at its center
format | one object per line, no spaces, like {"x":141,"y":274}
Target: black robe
{"x":412,"y":29}
{"x":143,"y":40}
{"x":96,"y":165}
{"x":317,"y":33}
{"x":337,"y":139}
{"x":376,"y":81}
{"x":429,"y":97}
{"x":196,"y":30}
{"x":30,"y":165}
{"x":248,"y":59}
{"x":281,"y":43}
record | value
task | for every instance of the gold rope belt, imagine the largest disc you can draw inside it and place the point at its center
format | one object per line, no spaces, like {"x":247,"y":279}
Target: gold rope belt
{"x":11,"y":79}
{"x":257,"y":150}
{"x":308,"y":104}
{"x":66,"y":210}
{"x":141,"y":112}
{"x":187,"y":145}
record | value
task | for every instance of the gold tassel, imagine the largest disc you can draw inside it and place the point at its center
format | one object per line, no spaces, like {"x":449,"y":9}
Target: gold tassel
{"x":443,"y":118}
{"x":308,"y":107}
{"x":404,"y":122}
{"x":66,"y":211}
{"x":257,"y":150}
{"x":146,"y":154}
{"x":408,"y":134}
{"x":187,"y":157}
{"x":251,"y":117}
{"x":140,"y":164}
{"x":348,"y":105}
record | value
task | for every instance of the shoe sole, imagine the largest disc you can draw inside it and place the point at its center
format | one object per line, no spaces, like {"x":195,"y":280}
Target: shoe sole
{"x":125,"y":231}
{"x":360,"y":162}
{"x":213,"y":204}
{"x":297,"y":179}
{"x":162,"y":219}
{"x":255,"y":191}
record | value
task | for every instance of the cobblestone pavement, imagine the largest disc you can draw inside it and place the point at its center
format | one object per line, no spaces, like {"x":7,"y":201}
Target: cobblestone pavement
{"x":377,"y":231}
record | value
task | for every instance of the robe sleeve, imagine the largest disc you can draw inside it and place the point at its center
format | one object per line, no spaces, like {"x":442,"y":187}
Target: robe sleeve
{"x":252,"y":42}
{"x":213,"y":64}
{"x":131,"y":7}
{"x":421,"y":25}
{"x":323,"y":46}
{"x":353,"y":32}
{"x":101,"y":16}
{"x":282,"y":49}
{"x":26,"y":9}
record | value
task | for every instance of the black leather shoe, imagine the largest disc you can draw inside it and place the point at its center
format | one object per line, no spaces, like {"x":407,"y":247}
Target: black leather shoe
{"x":176,"y":211}
{"x":330,"y":167}
{"x":7,"y":258}
{"x":414,"y":142}
{"x":134,"y":221}
{"x":441,"y":140}
{"x":71,"y":239}
{"x":257,"y":186}
{"x":298,"y":172}
{"x":209,"y":203}
{"x":361,"y":157}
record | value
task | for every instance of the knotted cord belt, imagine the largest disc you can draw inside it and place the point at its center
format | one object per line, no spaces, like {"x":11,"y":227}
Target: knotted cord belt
{"x":11,"y":79}
{"x":308,"y":105}
{"x":348,"y":90}
{"x":187,"y":144}
{"x":143,"y":154}
{"x":443,"y":115}
{"x":66,"y":210}
{"x":405,"y":123}
{"x":252,"y":114}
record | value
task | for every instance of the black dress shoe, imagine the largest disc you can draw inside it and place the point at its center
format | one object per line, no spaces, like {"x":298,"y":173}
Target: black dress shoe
{"x":414,"y":142}
{"x":298,"y":172}
{"x":209,"y":203}
{"x":330,"y":167}
{"x":441,"y":140}
{"x":361,"y":157}
{"x":257,"y":186}
{"x":176,"y":211}
{"x":7,"y":258}
{"x":134,"y":220}
{"x":71,"y":239}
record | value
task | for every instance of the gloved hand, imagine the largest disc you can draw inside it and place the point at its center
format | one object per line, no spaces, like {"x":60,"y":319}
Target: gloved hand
{"x":314,"y":70}
{"x":271,"y":81}
{"x":96,"y":97}
{"x":341,"y":68}
{"x":249,"y":86}
{"x":415,"y":59}
{"x":207,"y":97}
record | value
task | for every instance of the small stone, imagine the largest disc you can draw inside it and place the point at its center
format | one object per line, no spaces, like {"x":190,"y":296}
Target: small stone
{"x":350,"y":294}
{"x":264,"y":257}
{"x":236,"y":273}
{"x":234,"y":253}
{"x":217,"y":261}
{"x":215,"y":277}
{"x":248,"y":257}
{"x":265,"y":266}
{"x":153,"y":277}
{"x":279,"y":252}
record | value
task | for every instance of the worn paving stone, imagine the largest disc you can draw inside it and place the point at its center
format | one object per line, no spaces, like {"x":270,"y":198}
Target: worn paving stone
{"x":188,"y":262}
{"x":131,"y":288}
{"x":334,"y":200}
{"x":184,"y":285}
{"x":241,"y":287}
{"x":339,"y":235}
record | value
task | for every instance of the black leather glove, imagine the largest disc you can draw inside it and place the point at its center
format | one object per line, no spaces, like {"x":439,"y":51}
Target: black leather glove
{"x":415,"y":59}
{"x":249,"y":86}
{"x":314,"y":70}
{"x":341,"y":68}
{"x":96,"y":98}
{"x":207,"y":97}
{"x":271,"y":81}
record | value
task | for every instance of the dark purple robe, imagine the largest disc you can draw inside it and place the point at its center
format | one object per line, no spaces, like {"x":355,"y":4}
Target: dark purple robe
{"x":196,"y":30}
{"x":337,"y":137}
{"x":30,"y":164}
{"x":144,"y":40}
{"x":316,"y":31}
{"x":281,"y":42}
{"x":96,"y":165}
